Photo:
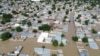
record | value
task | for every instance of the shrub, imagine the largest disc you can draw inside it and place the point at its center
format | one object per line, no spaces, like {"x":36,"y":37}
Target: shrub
{"x":19,"y":29}
{"x":54,"y":55}
{"x":85,"y":39}
{"x":93,"y":31}
{"x":55,"y":43}
{"x":61,"y":44}
{"x":5,"y":36}
{"x":75,"y":38}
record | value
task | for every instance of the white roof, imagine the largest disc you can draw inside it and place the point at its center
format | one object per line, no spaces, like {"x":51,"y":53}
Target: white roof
{"x":16,"y":25}
{"x":98,"y":32}
{"x":93,"y":44}
{"x":42,"y":36}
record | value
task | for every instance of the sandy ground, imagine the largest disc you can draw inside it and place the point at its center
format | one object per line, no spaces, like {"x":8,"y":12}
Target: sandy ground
{"x":30,"y":44}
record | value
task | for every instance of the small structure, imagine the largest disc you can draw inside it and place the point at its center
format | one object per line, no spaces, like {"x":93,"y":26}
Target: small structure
{"x":23,"y":55}
{"x":11,"y":54}
{"x":18,"y":49}
{"x":82,"y":51}
{"x":92,"y":44}
{"x":42,"y":51}
{"x":43,"y":36}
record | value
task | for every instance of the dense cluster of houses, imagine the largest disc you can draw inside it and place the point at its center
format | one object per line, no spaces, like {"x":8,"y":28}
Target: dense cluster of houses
{"x":29,"y":15}
{"x":37,"y":15}
{"x":86,"y":24}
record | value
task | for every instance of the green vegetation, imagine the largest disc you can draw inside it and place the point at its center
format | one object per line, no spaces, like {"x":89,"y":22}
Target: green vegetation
{"x":23,"y":22}
{"x":5,"y":36}
{"x":43,"y":46}
{"x":14,"y":12}
{"x":62,"y":35}
{"x":93,"y":31}
{"x":34,"y":31}
{"x":6,"y":18}
{"x":78,"y":17}
{"x":86,"y":22}
{"x":67,"y":12}
{"x":94,"y":17}
{"x":58,"y":9}
{"x":24,"y":14}
{"x":53,"y":7}
{"x":89,"y":8}
{"x":0,"y":6}
{"x":49,"y":12}
{"x":39,"y":21}
{"x":45,"y":27}
{"x":75,"y":38}
{"x":55,"y":43}
{"x":65,"y":17}
{"x":29,"y":23}
{"x":19,"y":29}
{"x":85,"y":39}
{"x":54,"y":55}
{"x":61,"y":44}
{"x":35,"y":15}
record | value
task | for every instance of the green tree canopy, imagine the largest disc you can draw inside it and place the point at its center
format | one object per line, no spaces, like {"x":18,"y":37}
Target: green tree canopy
{"x":45,"y":27}
{"x":5,"y":36}
{"x":86,"y":22}
{"x":62,"y":35}
{"x":39,"y":21}
{"x":55,"y":43}
{"x":85,"y":39}
{"x":61,"y":44}
{"x":19,"y":29}
{"x":35,"y":31}
{"x":93,"y":31}
{"x":6,"y":17}
{"x":54,"y":55}
{"x":75,"y":38}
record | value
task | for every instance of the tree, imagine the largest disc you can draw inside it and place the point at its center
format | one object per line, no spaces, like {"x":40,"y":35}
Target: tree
{"x":39,"y":21}
{"x":45,"y":27}
{"x":19,"y":29}
{"x":24,"y":14}
{"x":43,"y":46}
{"x":78,"y":17}
{"x":54,"y":55}
{"x":61,"y":44}
{"x":53,"y":7}
{"x":29,"y":23}
{"x":94,"y":17}
{"x":0,"y":6}
{"x":93,"y":31}
{"x":62,"y":35}
{"x":85,"y":39}
{"x":55,"y":43}
{"x":35,"y":31}
{"x":75,"y":38}
{"x":65,"y":17}
{"x":58,"y":9}
{"x":23,"y":22}
{"x":6,"y":17}
{"x":86,"y":22}
{"x":5,"y":36}
{"x":67,"y":12}
{"x":49,"y":12}
{"x":14,"y":12}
